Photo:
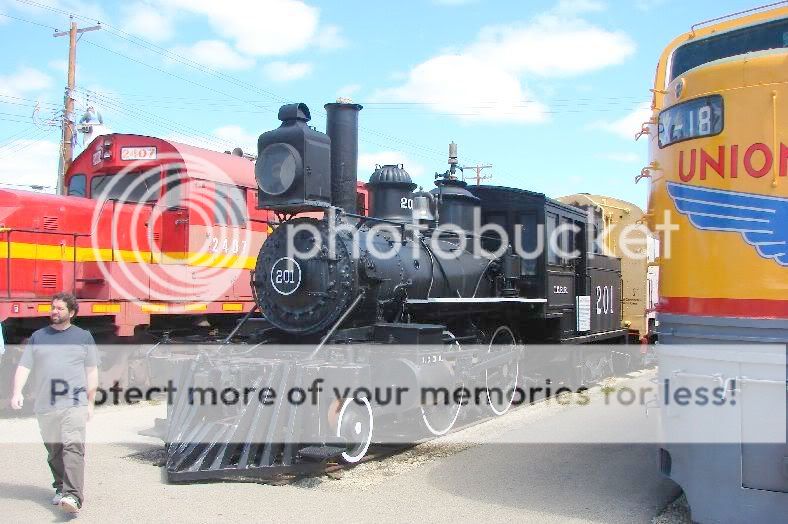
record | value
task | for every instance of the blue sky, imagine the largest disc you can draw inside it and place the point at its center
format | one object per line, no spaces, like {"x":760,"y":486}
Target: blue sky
{"x":549,"y":92}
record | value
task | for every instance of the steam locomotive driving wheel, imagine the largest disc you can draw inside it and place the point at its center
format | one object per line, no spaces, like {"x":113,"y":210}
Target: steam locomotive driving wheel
{"x":440,"y":415}
{"x":501,"y":380}
{"x":355,"y":423}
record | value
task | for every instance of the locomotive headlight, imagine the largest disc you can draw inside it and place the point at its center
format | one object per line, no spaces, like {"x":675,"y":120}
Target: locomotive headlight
{"x":277,"y":168}
{"x":679,"y":89}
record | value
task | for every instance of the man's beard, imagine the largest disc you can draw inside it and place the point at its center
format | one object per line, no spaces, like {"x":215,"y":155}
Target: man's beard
{"x":59,"y":321}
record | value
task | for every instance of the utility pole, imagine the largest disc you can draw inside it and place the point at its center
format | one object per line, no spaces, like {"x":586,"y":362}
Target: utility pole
{"x":66,"y":147}
{"x":478,"y":169}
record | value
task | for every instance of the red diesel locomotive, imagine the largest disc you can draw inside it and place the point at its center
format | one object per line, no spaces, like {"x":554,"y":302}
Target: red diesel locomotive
{"x":152,"y":236}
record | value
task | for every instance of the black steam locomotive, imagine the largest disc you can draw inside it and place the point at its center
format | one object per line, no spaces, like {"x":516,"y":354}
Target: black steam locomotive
{"x":460,"y":280}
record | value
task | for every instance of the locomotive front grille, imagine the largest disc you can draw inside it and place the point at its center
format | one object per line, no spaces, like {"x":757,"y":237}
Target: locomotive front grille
{"x":255,"y":441}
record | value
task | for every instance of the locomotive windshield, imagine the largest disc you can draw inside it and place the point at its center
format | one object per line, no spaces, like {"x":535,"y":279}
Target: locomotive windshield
{"x":126,"y":187}
{"x":772,"y":35}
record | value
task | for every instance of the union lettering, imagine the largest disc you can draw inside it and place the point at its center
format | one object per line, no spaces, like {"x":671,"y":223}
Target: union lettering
{"x":757,"y":161}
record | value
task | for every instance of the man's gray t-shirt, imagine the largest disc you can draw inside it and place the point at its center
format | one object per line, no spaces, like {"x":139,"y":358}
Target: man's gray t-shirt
{"x":58,"y":360}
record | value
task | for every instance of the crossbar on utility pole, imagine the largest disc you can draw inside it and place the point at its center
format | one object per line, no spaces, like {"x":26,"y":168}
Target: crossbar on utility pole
{"x":478,"y":169}
{"x":66,"y":148}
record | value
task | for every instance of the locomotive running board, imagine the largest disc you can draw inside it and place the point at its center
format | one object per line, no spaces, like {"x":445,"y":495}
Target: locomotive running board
{"x":475,"y":300}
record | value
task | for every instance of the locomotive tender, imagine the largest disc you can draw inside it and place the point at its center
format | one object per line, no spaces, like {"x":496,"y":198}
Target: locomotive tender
{"x":350,"y":288}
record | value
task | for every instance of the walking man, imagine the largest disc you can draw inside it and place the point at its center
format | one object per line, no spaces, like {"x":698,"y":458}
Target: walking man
{"x":65,"y":362}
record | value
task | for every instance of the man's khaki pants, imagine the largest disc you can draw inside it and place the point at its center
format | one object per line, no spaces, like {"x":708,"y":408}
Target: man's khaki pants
{"x":63,"y":431}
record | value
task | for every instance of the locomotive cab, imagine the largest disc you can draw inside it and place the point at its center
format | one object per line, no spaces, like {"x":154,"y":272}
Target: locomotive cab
{"x":581,"y":284}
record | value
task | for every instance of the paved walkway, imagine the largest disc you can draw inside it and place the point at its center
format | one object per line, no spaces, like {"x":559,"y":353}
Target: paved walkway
{"x":471,"y":475}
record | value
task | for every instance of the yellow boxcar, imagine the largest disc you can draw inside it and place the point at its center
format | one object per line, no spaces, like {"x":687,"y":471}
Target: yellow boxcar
{"x":623,"y":235}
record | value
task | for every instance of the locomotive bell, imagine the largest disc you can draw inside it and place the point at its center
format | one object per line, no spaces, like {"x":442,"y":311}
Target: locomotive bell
{"x":391,"y":193}
{"x":422,"y":207}
{"x":293,"y":168}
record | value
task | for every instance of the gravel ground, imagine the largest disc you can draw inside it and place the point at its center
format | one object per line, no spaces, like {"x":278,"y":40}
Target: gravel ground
{"x":677,"y":512}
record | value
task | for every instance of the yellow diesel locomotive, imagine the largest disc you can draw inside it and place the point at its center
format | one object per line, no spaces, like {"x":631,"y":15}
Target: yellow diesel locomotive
{"x":718,"y":201}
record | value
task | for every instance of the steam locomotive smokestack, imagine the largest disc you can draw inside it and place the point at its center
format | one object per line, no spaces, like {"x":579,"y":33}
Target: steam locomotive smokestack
{"x":342,"y":128}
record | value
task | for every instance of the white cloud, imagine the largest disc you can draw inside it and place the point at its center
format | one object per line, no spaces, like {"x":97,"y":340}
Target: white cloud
{"x":61,"y":66}
{"x":576,"y":7}
{"x":624,"y":158}
{"x":24,"y":81}
{"x":454,"y":2}
{"x":285,"y":71}
{"x":330,"y":37}
{"x":257,"y":27}
{"x":348,"y":90}
{"x":626,"y":126}
{"x":368,"y":161}
{"x":238,"y":136}
{"x":552,"y":46}
{"x":204,"y":143}
{"x":33,"y":162}
{"x":497,"y":65}
{"x":648,"y":5}
{"x":148,"y":21}
{"x":215,"y":54}
{"x":485,"y":93}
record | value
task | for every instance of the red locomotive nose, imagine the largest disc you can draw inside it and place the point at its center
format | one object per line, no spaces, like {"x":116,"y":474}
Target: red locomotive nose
{"x":9,"y":203}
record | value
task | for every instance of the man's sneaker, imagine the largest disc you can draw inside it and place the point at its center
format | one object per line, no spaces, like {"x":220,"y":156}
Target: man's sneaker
{"x":57,"y":498}
{"x":69,"y":504}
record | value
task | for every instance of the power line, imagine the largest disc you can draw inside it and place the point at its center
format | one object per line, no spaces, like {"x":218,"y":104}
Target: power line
{"x":14,"y":120}
{"x":22,"y":145}
{"x":150,"y":46}
{"x":423,"y":151}
{"x":29,"y":100}
{"x":524,"y":100}
{"x":363,"y":139}
{"x":28,"y":21}
{"x":11,"y":138}
{"x":173,"y":126}
{"x":118,"y":106}
{"x":174,"y":75}
{"x":19,"y":136}
{"x":22,"y":104}
{"x":560,"y":102}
